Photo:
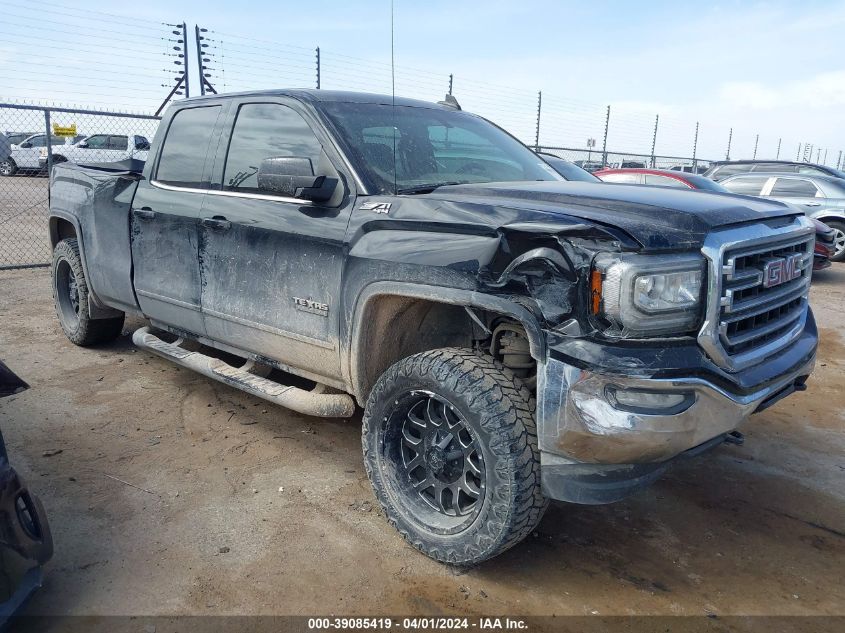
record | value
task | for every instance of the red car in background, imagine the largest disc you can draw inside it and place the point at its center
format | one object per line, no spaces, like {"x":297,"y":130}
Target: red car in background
{"x":824,"y":248}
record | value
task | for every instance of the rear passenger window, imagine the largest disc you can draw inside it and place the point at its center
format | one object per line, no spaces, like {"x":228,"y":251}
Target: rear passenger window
{"x":185,"y":147}
{"x":774,"y":167}
{"x":794,"y":188}
{"x":729,"y":170}
{"x":812,"y":170}
{"x":266,"y":130}
{"x":747,"y":186}
{"x":664,"y":181}
{"x":118,"y":142}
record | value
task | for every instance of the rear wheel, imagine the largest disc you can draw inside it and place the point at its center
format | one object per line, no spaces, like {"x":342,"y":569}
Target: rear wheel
{"x":8,"y":167}
{"x":450,"y":447}
{"x":838,"y":239}
{"x":70,"y":294}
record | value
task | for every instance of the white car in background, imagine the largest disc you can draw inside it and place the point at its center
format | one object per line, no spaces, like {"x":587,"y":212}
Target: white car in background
{"x":101,"y":148}
{"x":27,"y":153}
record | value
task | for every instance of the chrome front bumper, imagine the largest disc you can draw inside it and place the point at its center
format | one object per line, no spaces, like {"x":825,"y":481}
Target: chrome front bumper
{"x":580,"y":422}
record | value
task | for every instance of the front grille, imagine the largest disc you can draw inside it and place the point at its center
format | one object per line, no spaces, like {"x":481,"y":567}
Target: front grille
{"x":758,"y":292}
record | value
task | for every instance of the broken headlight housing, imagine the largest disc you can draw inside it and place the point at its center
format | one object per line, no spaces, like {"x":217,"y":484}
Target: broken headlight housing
{"x":648,"y":295}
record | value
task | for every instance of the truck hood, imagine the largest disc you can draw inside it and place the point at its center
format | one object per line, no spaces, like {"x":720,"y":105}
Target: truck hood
{"x":657,"y":217}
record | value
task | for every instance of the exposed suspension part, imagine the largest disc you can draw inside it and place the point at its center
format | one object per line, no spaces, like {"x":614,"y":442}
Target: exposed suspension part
{"x":509,"y":345}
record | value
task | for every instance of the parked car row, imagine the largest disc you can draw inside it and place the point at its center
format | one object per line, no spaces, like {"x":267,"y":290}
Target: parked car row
{"x":30,"y":152}
{"x":594,"y":166}
{"x":816,"y":189}
{"x":720,"y":170}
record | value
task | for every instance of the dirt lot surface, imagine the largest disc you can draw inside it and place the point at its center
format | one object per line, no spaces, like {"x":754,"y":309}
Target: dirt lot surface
{"x":228,"y":505}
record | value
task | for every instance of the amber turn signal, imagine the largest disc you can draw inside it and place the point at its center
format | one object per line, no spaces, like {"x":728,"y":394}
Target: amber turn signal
{"x":595,"y":291}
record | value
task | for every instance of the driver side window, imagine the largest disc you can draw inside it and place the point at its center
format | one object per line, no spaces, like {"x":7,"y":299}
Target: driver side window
{"x":266,"y":130}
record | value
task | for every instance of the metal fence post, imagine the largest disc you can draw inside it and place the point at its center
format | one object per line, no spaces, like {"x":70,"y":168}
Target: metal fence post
{"x":695,"y":149}
{"x":756,"y":142}
{"x":604,"y":143}
{"x":798,"y":153}
{"x":318,"y":68}
{"x":537,"y":131}
{"x":49,"y":133}
{"x":839,"y":160}
{"x":185,"y":48}
{"x":824,"y":160}
{"x":450,"y":83}
{"x":818,"y":154}
{"x":778,"y":154}
{"x":730,"y":138}
{"x":654,"y":138}
{"x":200,"y":65}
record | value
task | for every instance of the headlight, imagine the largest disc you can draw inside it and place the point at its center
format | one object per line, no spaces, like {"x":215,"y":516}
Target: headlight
{"x":643,"y":295}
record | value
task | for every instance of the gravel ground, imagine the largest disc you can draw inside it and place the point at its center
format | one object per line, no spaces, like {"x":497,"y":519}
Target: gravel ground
{"x":233,"y":506}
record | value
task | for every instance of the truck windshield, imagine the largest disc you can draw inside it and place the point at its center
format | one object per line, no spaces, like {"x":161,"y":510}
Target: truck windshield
{"x":433,"y":147}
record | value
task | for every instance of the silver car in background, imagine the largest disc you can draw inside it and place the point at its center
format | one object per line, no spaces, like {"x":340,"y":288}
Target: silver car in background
{"x":820,"y":197}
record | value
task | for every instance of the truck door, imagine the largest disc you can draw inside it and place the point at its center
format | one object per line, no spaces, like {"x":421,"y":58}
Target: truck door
{"x":271,"y":265}
{"x":165,"y":212}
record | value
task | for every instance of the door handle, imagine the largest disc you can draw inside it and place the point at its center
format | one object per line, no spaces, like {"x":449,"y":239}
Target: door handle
{"x":812,"y":204}
{"x":144,"y":213}
{"x":217,"y":223}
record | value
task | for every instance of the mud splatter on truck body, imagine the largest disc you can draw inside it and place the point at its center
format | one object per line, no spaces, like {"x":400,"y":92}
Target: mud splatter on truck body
{"x":341,"y":238}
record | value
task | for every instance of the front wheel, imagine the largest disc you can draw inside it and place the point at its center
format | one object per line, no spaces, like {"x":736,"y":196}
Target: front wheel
{"x":450,"y":447}
{"x":70,"y":293}
{"x":838,"y":239}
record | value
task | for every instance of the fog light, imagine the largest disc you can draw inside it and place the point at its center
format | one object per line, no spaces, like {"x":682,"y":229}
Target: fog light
{"x":650,"y":402}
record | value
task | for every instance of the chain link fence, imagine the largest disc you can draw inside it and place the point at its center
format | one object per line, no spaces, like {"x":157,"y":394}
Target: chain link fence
{"x":595,"y":159}
{"x":37,"y":138}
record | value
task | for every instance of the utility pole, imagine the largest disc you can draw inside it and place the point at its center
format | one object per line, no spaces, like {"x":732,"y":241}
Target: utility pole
{"x":730,"y":138}
{"x":824,"y":160}
{"x":756,"y":142}
{"x":654,"y":139}
{"x":450,"y":83}
{"x":798,"y":154}
{"x":818,"y":154}
{"x":604,"y":143}
{"x":318,"y":68}
{"x":695,"y":149}
{"x":778,"y":154}
{"x":839,"y":160}
{"x":537,"y":131}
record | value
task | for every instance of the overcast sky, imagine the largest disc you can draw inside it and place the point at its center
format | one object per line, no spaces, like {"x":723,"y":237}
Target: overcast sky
{"x":776,"y":69}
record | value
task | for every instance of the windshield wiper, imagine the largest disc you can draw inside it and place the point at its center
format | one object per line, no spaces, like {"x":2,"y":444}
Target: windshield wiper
{"x":427,"y":188}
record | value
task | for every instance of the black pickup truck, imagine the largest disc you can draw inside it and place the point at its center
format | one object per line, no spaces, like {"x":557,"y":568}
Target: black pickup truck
{"x":512,"y":337}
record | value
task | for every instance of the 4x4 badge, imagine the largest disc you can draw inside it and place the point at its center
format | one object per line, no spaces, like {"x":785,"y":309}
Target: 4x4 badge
{"x":378,"y":207}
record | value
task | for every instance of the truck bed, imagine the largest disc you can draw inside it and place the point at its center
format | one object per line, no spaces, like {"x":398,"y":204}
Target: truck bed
{"x":97,"y":200}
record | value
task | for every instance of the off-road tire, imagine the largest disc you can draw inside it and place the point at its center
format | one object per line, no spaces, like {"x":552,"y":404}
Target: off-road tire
{"x":839,"y":227}
{"x":499,"y":411}
{"x":77,"y":324}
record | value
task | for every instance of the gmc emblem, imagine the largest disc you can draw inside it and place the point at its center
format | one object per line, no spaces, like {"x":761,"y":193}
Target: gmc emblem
{"x":779,"y":270}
